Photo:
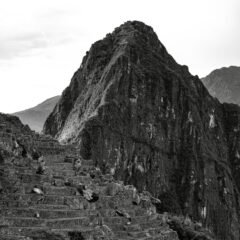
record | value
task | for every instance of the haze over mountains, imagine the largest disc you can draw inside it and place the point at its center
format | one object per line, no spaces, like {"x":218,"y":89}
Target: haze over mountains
{"x":36,"y":116}
{"x":224,"y":84}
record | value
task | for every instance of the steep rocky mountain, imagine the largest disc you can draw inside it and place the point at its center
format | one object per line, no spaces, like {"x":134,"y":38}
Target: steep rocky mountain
{"x":36,"y":116}
{"x":224,"y":84}
{"x":144,"y":118}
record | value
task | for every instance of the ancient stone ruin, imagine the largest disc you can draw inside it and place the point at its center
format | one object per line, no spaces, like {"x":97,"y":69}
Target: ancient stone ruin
{"x":70,"y":198}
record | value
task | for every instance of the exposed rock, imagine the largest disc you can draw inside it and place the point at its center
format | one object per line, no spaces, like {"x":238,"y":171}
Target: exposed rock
{"x":188,"y":230}
{"x":138,"y":114}
{"x":224,"y":84}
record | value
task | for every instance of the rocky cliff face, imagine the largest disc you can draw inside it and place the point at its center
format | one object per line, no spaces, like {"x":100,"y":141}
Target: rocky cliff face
{"x":224,"y":84}
{"x":11,"y":142}
{"x":141,"y":116}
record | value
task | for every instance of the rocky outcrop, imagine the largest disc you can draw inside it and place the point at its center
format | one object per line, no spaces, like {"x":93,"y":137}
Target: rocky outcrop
{"x":224,"y":84}
{"x":145,"y":119}
{"x":18,"y":140}
{"x":36,"y":116}
{"x":11,"y":142}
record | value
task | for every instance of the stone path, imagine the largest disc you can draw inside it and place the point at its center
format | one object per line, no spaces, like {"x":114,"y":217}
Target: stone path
{"x":61,"y":212}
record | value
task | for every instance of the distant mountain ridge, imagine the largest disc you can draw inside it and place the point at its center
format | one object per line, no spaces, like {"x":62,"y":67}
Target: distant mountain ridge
{"x":36,"y":116}
{"x":224,"y":84}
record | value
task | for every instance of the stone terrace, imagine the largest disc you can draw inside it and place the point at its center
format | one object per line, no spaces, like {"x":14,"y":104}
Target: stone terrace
{"x":61,"y":212}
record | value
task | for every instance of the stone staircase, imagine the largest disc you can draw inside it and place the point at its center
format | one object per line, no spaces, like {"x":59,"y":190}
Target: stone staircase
{"x":61,"y":212}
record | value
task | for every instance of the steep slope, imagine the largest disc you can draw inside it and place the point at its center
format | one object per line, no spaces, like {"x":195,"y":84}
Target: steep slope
{"x":36,"y":116}
{"x":224,"y":83}
{"x":141,"y":116}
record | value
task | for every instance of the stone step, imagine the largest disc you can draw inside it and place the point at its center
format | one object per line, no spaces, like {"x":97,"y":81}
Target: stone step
{"x":33,"y":178}
{"x":66,"y":191}
{"x":26,"y":188}
{"x":68,"y":166}
{"x":131,"y":210}
{"x":165,"y":235}
{"x":68,"y":222}
{"x":85,"y":221}
{"x":60,"y":211}
{"x":12,"y":237}
{"x":28,"y":200}
{"x":50,"y":207}
{"x":55,"y":167}
{"x":115,"y":223}
{"x":157,"y":230}
{"x":123,"y":220}
{"x":142,"y":224}
{"x":18,"y":170}
{"x":71,"y":180}
{"x":57,"y":223}
{"x":87,"y":168}
{"x":87,"y":162}
{"x":54,"y":158}
{"x":69,"y":190}
{"x":36,"y":231}
{"x":135,"y":235}
{"x":76,"y":233}
{"x":28,"y":231}
{"x":31,"y":175}
{"x":46,"y":213}
{"x":25,"y":222}
{"x":77,"y":202}
{"x":17,"y":231}
{"x":83,"y":161}
{"x":60,"y":166}
{"x":62,"y":173}
{"x":103,"y":201}
{"x":139,"y":233}
{"x":152,"y":224}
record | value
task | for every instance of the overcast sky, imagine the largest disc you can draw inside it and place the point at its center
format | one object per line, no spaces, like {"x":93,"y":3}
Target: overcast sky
{"x":42,"y":42}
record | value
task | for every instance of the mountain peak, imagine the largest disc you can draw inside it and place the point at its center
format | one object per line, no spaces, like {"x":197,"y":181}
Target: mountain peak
{"x":137,"y":114}
{"x":131,"y":26}
{"x":129,"y":34}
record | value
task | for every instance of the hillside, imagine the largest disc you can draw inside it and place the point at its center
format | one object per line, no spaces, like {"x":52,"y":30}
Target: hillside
{"x":36,"y":116}
{"x":224,"y":84}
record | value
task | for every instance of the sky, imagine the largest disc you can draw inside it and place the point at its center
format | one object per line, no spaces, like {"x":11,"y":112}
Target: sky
{"x":42,"y":43}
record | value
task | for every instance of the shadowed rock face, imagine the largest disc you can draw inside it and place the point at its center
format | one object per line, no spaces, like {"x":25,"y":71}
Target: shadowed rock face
{"x":224,"y":83}
{"x":138,"y":114}
{"x":9,"y":143}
